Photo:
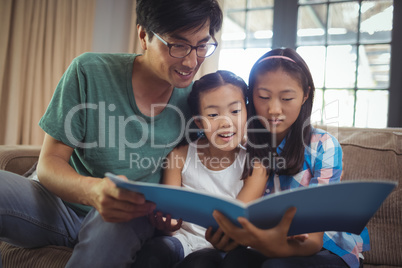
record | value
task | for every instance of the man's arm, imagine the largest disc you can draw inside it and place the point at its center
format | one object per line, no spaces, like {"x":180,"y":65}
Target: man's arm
{"x":114,"y":204}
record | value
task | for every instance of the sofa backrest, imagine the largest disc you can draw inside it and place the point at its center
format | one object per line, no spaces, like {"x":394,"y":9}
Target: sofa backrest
{"x":18,"y":158}
{"x":376,"y":154}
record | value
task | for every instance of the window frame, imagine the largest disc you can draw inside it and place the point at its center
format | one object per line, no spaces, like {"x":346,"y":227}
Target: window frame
{"x":285,"y":35}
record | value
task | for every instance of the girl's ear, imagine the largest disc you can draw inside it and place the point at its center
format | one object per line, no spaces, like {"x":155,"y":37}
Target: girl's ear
{"x":142,"y":35}
{"x":198,"y":122}
{"x":306,"y":96}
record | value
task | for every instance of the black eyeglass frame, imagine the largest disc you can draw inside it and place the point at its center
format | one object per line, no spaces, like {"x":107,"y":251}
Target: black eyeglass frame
{"x":170,"y":45}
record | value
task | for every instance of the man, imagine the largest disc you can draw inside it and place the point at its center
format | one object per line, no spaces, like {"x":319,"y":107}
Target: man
{"x":119,"y":113}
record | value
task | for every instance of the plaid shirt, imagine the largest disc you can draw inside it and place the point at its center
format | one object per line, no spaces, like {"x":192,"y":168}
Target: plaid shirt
{"x":323,"y":165}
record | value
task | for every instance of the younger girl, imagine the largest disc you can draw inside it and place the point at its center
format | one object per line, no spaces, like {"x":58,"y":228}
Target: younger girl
{"x":213,"y":163}
{"x":280,"y":103}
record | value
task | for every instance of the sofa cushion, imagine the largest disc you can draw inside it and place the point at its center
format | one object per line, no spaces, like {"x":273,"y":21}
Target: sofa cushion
{"x":18,"y":158}
{"x":369,"y":154}
{"x":376,"y":154}
{"x":49,"y":256}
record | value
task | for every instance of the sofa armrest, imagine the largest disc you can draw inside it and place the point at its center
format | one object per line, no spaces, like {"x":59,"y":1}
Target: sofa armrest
{"x":18,"y":158}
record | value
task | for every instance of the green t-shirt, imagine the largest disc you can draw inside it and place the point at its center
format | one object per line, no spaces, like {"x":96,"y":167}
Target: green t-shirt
{"x":93,"y":110}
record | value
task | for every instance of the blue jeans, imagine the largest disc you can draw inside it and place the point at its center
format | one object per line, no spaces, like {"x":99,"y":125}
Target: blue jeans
{"x":105,"y":244}
{"x":160,"y":252}
{"x":31,"y":216}
{"x":243,"y":257}
{"x":207,"y":257}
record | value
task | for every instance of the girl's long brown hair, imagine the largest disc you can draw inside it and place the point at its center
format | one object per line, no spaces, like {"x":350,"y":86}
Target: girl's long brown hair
{"x":299,"y":134}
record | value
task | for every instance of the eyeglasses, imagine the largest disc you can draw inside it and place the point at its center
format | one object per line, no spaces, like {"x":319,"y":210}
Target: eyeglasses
{"x":180,"y":50}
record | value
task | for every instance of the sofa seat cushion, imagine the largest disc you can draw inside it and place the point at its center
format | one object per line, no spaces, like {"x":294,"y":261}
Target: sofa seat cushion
{"x":49,"y":256}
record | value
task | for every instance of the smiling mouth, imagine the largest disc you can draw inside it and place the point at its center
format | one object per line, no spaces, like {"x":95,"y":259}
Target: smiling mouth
{"x":226,"y":135}
{"x":183,"y":73}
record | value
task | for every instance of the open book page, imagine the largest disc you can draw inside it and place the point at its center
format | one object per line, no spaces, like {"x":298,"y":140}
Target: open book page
{"x":344,"y":207}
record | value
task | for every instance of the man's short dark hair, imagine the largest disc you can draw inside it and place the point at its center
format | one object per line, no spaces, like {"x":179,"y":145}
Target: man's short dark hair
{"x":169,"y":16}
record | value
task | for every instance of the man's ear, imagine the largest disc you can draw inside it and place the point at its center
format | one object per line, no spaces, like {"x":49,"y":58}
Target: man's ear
{"x":142,"y":36}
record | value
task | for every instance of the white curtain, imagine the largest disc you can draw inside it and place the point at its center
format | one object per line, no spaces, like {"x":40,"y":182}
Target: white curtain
{"x":38,"y":40}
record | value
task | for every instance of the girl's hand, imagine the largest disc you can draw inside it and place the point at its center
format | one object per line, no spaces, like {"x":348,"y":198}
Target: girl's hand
{"x":164,"y":224}
{"x":300,"y":237}
{"x":270,"y":242}
{"x":219,"y":240}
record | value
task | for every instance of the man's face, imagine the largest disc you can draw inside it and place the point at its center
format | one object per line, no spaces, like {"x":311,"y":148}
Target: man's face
{"x":178,"y":72}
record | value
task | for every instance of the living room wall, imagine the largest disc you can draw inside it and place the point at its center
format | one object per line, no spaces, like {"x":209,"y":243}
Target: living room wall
{"x":112,"y":26}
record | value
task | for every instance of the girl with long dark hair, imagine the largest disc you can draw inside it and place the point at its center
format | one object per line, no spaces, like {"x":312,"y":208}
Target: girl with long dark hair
{"x":282,"y":141}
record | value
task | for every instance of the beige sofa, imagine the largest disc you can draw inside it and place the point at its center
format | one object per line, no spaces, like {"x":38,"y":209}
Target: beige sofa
{"x":369,"y":154}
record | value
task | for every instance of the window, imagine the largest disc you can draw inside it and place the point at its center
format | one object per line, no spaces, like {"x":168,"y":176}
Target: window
{"x":246,"y":34}
{"x":347,"y":45}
